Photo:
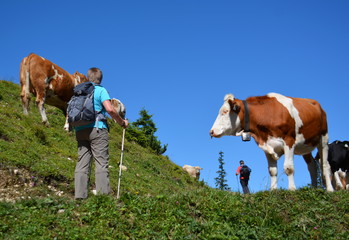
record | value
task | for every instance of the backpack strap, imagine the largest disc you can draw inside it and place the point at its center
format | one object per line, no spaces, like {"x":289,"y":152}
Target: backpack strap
{"x":99,"y":115}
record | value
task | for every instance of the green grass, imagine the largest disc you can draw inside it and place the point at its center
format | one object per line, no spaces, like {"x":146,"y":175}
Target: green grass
{"x":199,"y":214}
{"x":158,"y":200}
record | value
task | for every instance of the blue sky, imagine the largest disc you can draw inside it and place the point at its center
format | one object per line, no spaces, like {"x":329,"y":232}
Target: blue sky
{"x":177,"y":59}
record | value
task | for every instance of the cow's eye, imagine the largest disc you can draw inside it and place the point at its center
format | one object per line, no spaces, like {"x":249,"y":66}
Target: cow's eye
{"x":225,"y":111}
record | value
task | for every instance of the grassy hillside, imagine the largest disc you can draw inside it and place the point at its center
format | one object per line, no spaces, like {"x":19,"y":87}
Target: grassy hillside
{"x":158,"y":200}
{"x":50,"y":153}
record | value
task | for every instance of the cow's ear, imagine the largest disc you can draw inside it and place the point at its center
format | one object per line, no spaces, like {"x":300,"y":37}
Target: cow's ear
{"x":234,"y":106}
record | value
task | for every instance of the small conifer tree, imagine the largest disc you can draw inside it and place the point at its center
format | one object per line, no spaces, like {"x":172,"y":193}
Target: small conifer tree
{"x":220,"y":180}
{"x":142,"y":131}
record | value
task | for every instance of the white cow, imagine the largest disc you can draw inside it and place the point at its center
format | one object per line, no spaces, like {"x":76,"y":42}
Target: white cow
{"x":193,"y":171}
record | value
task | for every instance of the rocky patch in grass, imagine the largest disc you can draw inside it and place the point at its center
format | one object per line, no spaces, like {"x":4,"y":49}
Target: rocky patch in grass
{"x":17,"y":184}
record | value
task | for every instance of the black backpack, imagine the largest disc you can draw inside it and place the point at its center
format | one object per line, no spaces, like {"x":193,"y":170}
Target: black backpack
{"x":245,"y":171}
{"x":80,"y":107}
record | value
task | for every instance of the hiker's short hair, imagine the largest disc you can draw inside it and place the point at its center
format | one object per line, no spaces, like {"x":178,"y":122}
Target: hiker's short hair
{"x":95,"y":75}
{"x":241,"y":162}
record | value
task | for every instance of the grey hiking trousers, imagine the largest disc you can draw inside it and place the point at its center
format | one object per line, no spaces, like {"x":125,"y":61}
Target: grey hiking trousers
{"x":244,"y":184}
{"x":92,"y":143}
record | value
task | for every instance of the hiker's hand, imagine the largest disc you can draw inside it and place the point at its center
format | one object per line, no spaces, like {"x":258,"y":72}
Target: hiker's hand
{"x":125,"y":124}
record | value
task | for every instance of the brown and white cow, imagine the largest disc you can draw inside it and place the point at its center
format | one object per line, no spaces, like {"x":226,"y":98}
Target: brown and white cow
{"x":48,"y":82}
{"x":119,"y":107}
{"x":192,"y":171}
{"x":280,"y":126}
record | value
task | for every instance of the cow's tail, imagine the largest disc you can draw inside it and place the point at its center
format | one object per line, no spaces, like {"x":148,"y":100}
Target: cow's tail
{"x":24,"y":77}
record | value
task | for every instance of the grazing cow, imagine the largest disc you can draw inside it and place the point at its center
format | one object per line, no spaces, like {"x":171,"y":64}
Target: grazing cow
{"x":338,"y":158}
{"x":193,"y":171}
{"x":48,"y":82}
{"x":280,"y":125}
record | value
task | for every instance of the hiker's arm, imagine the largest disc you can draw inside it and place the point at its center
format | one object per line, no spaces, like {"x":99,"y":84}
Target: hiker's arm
{"x":114,"y":114}
{"x":238,"y":170}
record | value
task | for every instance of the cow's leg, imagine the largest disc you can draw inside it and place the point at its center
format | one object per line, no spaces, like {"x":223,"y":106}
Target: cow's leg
{"x":273,"y":171}
{"x":346,"y":181}
{"x":25,"y":101}
{"x":40,"y":101}
{"x":25,"y":94}
{"x":289,"y":167}
{"x":337,"y":181}
{"x":342,"y":178}
{"x":66,"y":125}
{"x":325,"y":166}
{"x":312,"y":168}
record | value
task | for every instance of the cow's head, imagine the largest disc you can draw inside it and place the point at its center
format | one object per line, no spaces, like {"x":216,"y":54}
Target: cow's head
{"x":79,"y":78}
{"x":119,"y":107}
{"x":197,"y":171}
{"x":227,"y":121}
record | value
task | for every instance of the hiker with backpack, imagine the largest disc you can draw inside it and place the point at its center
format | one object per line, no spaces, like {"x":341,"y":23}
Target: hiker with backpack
{"x":244,"y":172}
{"x":87,"y":114}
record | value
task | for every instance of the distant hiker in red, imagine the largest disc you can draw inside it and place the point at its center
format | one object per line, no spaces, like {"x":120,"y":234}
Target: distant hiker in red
{"x":244,"y":172}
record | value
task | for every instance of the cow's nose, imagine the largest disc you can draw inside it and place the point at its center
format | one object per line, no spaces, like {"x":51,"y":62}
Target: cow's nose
{"x":211,"y":133}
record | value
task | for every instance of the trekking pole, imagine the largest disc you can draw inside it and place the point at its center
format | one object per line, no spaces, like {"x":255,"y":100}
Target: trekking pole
{"x":237,"y":180}
{"x":120,"y":166}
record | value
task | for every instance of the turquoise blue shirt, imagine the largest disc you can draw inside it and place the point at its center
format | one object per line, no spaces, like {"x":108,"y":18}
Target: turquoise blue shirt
{"x":100,"y":95}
